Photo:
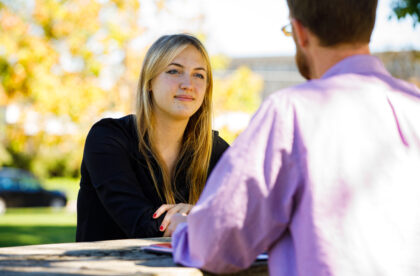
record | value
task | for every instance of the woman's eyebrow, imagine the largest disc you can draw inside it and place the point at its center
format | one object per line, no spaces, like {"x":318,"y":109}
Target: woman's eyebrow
{"x":180,"y":65}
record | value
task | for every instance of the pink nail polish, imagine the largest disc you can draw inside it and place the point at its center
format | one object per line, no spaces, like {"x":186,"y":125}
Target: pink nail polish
{"x":161,"y":228}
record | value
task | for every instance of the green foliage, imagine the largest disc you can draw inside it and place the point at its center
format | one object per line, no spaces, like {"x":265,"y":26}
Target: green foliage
{"x":68,"y":185}
{"x":403,"y":8}
{"x":219,"y":62}
{"x":51,"y":72}
{"x":5,"y":156}
{"x":53,"y":63}
{"x":237,"y":92}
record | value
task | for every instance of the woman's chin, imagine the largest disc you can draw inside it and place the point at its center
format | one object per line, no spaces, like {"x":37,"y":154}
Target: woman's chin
{"x":181,"y":116}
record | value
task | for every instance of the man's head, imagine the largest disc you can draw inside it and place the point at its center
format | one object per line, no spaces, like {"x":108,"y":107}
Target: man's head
{"x":343,"y":26}
{"x":336,"y":21}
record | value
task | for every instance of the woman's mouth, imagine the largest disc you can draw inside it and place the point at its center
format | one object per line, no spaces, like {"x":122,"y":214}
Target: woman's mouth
{"x":186,"y":98}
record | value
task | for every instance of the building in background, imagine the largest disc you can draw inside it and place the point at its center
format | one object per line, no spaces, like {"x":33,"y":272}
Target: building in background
{"x":281,"y":72}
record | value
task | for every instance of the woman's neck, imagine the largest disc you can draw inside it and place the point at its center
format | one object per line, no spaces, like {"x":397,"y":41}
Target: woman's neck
{"x":167,"y":135}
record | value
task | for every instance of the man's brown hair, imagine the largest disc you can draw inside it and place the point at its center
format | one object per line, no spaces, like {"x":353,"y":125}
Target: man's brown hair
{"x":336,"y":21}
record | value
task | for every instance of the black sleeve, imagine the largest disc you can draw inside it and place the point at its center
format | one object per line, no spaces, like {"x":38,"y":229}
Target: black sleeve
{"x":107,"y":159}
{"x":219,"y":147}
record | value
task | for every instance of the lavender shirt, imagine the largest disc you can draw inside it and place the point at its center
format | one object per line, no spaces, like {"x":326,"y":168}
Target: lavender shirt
{"x":326,"y":178}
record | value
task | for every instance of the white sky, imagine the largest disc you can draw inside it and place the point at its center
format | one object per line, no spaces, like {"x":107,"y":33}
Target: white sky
{"x":252,"y":28}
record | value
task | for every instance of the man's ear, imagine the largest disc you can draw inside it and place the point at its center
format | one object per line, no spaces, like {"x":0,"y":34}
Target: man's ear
{"x":300,"y":33}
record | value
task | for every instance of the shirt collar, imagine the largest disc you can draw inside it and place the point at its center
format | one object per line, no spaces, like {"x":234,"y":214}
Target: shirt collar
{"x":357,"y":64}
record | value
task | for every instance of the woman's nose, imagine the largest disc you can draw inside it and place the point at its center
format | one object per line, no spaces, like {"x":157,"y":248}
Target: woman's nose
{"x":186,"y":83}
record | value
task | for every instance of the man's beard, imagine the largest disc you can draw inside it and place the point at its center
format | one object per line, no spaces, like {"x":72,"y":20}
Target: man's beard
{"x":302,"y":63}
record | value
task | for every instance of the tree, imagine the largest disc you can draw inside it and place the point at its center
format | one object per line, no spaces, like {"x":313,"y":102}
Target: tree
{"x":237,"y":96}
{"x":64,"y":64}
{"x":402,"y":8}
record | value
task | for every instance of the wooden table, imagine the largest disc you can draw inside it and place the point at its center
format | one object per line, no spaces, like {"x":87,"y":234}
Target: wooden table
{"x":118,"y":257}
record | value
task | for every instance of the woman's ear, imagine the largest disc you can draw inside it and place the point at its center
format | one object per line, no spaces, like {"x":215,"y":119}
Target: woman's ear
{"x":300,"y":33}
{"x":149,"y":86}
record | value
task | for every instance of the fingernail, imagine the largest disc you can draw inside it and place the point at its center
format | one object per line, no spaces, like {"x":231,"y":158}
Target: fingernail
{"x":161,"y":228}
{"x":154,"y":215}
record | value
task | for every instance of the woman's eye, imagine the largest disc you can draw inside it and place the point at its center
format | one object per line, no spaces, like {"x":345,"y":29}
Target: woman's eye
{"x":198,"y":75}
{"x":172,"y":71}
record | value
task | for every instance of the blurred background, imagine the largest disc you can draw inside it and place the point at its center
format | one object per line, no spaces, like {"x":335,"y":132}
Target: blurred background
{"x":65,"y":64}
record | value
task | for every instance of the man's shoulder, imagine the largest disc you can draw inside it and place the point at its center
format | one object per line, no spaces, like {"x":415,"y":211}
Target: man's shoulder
{"x":310,"y":85}
{"x":296,"y":92}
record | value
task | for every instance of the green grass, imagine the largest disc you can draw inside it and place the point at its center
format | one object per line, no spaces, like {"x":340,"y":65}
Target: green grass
{"x":26,"y":235}
{"x":27,"y":226}
{"x":38,"y":217}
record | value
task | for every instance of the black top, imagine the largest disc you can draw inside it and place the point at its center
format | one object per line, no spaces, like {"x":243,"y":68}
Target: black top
{"x":117,"y":197}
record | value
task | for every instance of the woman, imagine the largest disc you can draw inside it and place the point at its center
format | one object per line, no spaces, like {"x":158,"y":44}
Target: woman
{"x":137,"y":171}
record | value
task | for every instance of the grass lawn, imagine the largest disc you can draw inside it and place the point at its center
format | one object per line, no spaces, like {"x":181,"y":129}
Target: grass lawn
{"x":26,"y":226}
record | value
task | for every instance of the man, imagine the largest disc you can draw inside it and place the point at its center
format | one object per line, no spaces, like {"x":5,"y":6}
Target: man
{"x":326,"y":178}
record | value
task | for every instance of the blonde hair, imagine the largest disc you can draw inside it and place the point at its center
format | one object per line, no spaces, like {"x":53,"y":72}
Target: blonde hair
{"x":196,"y":147}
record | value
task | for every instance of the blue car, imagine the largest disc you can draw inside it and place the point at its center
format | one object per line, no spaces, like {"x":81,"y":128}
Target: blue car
{"x":20,"y":188}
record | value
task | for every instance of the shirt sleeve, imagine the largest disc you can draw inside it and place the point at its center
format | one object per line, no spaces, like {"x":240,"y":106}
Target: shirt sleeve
{"x":249,"y":199}
{"x":107,"y":159}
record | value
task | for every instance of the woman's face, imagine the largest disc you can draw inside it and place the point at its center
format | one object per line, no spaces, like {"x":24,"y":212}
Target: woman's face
{"x":178,"y":91}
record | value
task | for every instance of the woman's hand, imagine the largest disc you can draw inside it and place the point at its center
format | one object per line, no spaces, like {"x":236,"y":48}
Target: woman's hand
{"x":171,"y":209}
{"x":175,"y":220}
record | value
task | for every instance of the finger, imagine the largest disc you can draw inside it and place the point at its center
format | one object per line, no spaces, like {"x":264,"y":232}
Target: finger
{"x":171,"y":227}
{"x":175,"y":221}
{"x":185,"y":210}
{"x":189,"y":208}
{"x":162,"y":209}
{"x":168,"y":231}
{"x":168,"y":216}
